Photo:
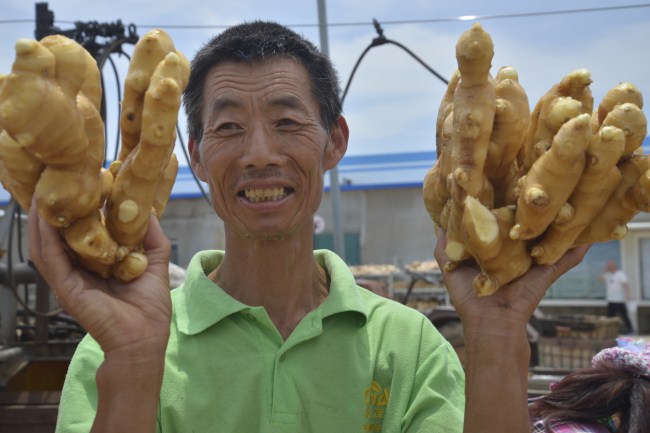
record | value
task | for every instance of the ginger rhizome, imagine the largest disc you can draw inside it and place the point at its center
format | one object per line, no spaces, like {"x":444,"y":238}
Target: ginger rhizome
{"x":52,"y":146}
{"x":514,"y":187}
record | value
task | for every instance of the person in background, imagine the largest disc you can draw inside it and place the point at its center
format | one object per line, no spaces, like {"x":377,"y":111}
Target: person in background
{"x":611,"y":396}
{"x":618,"y":294}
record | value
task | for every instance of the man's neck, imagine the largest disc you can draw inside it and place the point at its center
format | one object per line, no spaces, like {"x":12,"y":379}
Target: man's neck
{"x":280,"y":275}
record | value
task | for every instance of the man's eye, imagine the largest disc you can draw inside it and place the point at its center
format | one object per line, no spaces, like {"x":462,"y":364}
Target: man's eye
{"x":229,"y":126}
{"x":286,"y":123}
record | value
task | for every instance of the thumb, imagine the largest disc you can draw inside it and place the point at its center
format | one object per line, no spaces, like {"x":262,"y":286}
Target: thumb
{"x":156,"y":245}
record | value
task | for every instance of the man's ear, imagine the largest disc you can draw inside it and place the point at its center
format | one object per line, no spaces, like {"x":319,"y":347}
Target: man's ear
{"x":195,"y":160}
{"x":338,"y":144}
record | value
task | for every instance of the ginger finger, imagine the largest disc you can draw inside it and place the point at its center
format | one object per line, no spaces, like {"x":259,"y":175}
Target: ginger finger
{"x":131,"y":267}
{"x":90,"y":240}
{"x":552,"y":178}
{"x":150,"y":50}
{"x":473,"y":115}
{"x":19,"y":170}
{"x":27,"y":96}
{"x":91,"y":86}
{"x":631,"y":196}
{"x":631,"y":120}
{"x":598,"y":181}
{"x":63,"y":196}
{"x":434,"y":191}
{"x":510,"y":125}
{"x":165,"y":187}
{"x":446,"y":107}
{"x":131,"y":200}
{"x":486,"y":234}
{"x":474,"y":107}
{"x":70,"y":61}
{"x":547,"y":118}
{"x":619,"y":94}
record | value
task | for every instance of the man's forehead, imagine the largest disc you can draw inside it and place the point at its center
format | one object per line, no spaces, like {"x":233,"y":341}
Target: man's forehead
{"x":259,"y":67}
{"x":279,"y":82}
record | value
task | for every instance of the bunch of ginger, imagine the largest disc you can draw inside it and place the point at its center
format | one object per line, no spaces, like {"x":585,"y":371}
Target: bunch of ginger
{"x":52,"y":146}
{"x":513,"y":187}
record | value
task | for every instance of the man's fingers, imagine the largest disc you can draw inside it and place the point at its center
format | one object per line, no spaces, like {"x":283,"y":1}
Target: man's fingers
{"x":439,"y":251}
{"x":156,"y":245}
{"x":48,"y":254}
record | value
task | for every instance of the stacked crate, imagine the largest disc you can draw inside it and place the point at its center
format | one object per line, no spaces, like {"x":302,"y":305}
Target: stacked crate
{"x":569,"y":342}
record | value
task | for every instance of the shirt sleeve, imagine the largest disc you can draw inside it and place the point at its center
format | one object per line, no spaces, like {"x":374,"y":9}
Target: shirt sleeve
{"x":79,"y":395}
{"x":438,"y":394}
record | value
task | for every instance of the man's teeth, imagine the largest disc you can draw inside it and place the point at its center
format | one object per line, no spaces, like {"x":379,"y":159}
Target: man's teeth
{"x":269,"y":194}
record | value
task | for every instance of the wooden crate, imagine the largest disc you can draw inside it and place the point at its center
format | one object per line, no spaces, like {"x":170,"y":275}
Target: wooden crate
{"x":570,"y":353}
{"x":581,"y":326}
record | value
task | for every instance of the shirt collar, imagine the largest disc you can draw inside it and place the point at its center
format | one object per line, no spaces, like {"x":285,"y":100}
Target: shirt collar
{"x":199,"y":303}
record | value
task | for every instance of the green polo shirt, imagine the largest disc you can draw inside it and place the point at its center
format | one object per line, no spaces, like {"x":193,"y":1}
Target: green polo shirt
{"x":357,"y":363}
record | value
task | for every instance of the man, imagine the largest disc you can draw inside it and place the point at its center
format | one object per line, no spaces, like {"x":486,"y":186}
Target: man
{"x":270,"y":336}
{"x":617,"y":294}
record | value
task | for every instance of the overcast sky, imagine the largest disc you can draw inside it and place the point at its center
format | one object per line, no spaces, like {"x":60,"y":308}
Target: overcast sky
{"x":392,"y":100}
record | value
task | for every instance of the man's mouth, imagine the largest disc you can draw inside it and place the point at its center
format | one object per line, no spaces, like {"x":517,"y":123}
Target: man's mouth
{"x":265,"y":195}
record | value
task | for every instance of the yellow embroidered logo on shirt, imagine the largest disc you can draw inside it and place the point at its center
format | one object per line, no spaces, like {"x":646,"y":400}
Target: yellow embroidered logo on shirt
{"x":376,"y":399}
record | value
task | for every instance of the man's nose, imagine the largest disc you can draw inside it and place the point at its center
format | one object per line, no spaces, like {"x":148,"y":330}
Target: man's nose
{"x":262,"y":148}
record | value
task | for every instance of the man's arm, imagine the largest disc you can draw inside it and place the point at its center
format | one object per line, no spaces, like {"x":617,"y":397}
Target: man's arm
{"x":128,"y":389}
{"x":628,"y":291}
{"x":129,"y":321}
{"x":496,"y":342}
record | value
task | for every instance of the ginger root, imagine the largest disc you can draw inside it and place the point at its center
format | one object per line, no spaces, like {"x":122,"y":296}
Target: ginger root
{"x":52,"y":146}
{"x":513,"y":187}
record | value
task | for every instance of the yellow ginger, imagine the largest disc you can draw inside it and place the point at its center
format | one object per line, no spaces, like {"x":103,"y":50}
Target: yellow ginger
{"x":510,"y":125}
{"x":568,"y":98}
{"x":619,"y":94}
{"x":473,"y":115}
{"x":52,"y":146}
{"x":632,"y":195}
{"x":151,"y":49}
{"x":512,"y":187}
{"x":598,"y":181}
{"x":551,"y":179}
{"x":486,"y":233}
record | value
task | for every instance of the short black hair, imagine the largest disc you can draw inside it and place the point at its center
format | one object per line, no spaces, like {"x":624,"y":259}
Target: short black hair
{"x":259,"y":41}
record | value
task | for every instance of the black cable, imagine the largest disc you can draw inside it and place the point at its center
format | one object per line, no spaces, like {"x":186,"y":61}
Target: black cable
{"x":412,"y":21}
{"x":429,"y":68}
{"x":19,"y":231}
{"x":113,"y":47}
{"x":189,"y":165}
{"x":119,"y":106}
{"x":354,"y":70}
{"x":388,"y":22}
{"x":381,"y":40}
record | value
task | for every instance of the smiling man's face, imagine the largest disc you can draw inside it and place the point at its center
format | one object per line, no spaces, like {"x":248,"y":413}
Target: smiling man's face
{"x":264,"y":150}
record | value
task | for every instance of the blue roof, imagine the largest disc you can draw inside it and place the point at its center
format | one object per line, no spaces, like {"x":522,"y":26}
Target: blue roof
{"x":355,"y":172}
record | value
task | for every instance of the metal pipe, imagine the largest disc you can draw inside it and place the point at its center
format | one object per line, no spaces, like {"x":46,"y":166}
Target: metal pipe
{"x":10,"y":353}
{"x":335,"y":190}
{"x":21,"y":273}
